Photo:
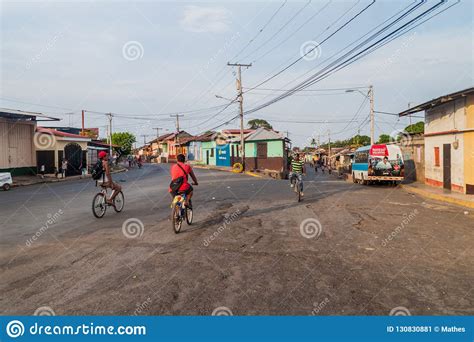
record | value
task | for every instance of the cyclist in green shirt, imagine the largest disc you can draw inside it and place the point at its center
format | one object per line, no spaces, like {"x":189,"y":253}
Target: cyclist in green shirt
{"x":297,"y":169}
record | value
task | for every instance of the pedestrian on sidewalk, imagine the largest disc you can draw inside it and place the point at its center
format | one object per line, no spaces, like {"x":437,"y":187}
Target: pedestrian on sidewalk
{"x":63,"y":168}
{"x":42,"y":170}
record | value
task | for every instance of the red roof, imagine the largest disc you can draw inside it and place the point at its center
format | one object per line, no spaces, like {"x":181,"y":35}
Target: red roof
{"x":40,"y":129}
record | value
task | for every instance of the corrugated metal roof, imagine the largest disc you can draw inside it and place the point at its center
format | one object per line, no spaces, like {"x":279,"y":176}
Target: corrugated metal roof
{"x":264,"y":134}
{"x":24,"y":115}
{"x":436,"y":102}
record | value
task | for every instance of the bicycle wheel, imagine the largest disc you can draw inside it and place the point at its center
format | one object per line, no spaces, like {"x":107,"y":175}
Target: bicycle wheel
{"x":189,"y":216}
{"x":119,"y":202}
{"x":176,"y":219}
{"x":99,"y":206}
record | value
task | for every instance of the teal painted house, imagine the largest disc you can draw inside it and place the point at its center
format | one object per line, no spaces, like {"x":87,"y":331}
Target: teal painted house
{"x":266,"y":150}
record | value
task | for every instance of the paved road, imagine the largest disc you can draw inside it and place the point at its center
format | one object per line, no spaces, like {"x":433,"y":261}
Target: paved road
{"x":346,"y":249}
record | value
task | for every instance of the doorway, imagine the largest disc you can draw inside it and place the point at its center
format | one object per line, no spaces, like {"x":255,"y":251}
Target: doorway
{"x":447,"y":166}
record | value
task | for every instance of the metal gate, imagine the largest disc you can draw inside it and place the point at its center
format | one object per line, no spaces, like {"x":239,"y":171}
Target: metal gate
{"x":73,"y":155}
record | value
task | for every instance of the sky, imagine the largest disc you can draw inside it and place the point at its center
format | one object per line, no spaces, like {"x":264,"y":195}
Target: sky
{"x":146,"y":60}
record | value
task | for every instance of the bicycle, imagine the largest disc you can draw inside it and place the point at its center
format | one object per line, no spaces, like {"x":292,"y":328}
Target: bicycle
{"x":99,"y":202}
{"x":180,"y":212}
{"x":296,"y":186}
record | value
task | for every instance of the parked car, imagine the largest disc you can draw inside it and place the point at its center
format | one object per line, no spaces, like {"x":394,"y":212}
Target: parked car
{"x":6,"y":180}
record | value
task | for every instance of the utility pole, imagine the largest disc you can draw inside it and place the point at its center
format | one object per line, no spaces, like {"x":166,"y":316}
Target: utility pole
{"x":329,"y":145}
{"x":177,"y":129}
{"x":372,"y":117}
{"x":82,"y":131}
{"x":409,"y":115}
{"x":157,"y":132}
{"x":144,"y":139}
{"x":110,"y":133}
{"x":241,"y":101}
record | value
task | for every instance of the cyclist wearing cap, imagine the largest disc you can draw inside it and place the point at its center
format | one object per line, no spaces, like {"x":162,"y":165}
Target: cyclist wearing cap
{"x":107,"y":180}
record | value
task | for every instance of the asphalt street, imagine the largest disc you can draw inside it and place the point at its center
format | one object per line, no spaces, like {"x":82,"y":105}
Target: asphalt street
{"x":252,"y":249}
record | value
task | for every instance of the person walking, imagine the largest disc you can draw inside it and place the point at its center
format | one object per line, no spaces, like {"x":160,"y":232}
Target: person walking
{"x":64,"y":168}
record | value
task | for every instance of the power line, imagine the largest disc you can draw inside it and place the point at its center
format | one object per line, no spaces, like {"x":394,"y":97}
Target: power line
{"x":278,"y":31}
{"x":293,"y":33}
{"x":311,"y":50}
{"x":341,"y":63}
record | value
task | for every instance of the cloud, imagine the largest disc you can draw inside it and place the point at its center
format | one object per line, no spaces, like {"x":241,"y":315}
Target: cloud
{"x":205,"y":19}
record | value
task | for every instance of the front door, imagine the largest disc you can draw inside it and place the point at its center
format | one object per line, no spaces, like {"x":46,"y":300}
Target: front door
{"x":447,"y":166}
{"x":207,"y":157}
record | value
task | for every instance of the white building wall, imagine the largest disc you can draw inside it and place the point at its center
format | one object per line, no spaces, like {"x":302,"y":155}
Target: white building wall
{"x":447,"y":117}
{"x":435,"y":173}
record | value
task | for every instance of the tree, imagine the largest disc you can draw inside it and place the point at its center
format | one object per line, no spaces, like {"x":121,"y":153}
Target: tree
{"x":416,"y":128}
{"x":383,"y":139}
{"x":125,"y":140}
{"x":257,"y":123}
{"x":361,"y":140}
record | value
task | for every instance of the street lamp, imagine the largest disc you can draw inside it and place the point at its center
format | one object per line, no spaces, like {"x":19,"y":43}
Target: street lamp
{"x":370,"y":96}
{"x":224,"y":98}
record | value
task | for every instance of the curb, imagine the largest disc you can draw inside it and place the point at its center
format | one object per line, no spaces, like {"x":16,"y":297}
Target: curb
{"x":59,"y":180}
{"x":438,"y":197}
{"x":248,"y":173}
{"x":253,"y":174}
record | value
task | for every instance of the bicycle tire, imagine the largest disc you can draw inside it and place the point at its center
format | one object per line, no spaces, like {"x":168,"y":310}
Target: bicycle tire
{"x":102,"y":205}
{"x":176,"y":219}
{"x":189,"y":216}
{"x":120,"y":208}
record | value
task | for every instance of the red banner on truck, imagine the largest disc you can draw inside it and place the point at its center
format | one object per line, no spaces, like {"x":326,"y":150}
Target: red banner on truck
{"x":378,"y":151}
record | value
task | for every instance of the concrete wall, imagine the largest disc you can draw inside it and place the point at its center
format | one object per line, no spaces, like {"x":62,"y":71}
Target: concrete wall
{"x":211,"y":147}
{"x":17,"y":150}
{"x":448,"y":117}
{"x":414,"y":159}
{"x":469,"y":146}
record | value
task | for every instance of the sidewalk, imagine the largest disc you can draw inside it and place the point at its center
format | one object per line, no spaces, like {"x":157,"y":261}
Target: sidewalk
{"x":224,"y":168}
{"x":48,"y":178}
{"x":439,"y":194}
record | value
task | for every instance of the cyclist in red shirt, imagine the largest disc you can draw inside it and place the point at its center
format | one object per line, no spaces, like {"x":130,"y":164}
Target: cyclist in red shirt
{"x":181,"y":169}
